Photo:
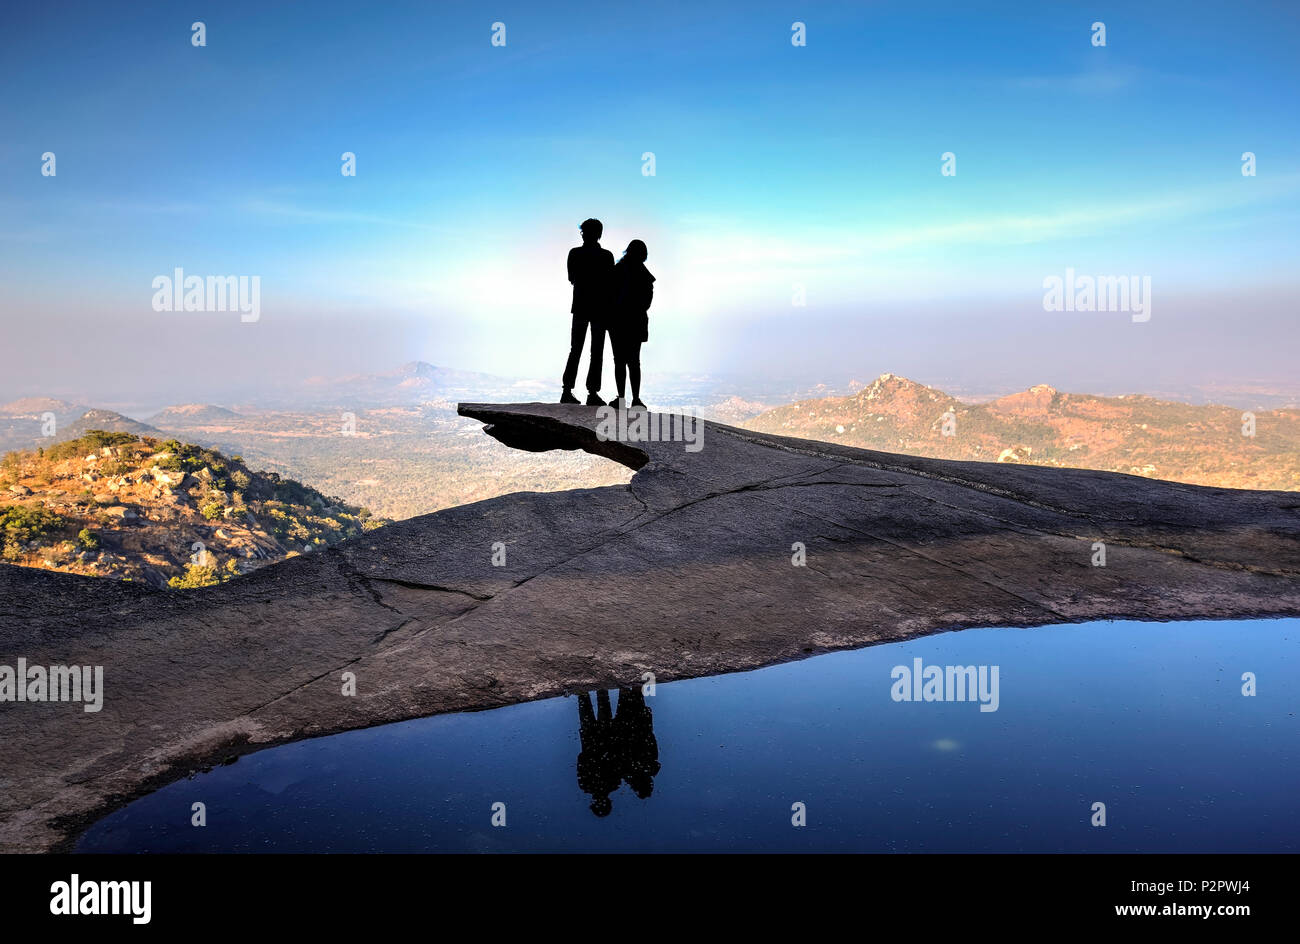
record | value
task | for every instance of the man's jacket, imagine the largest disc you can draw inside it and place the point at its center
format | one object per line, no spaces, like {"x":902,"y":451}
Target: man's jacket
{"x":591,"y":271}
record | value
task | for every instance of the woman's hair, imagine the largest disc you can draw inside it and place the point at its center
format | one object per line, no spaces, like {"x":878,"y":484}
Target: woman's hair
{"x":636,"y":251}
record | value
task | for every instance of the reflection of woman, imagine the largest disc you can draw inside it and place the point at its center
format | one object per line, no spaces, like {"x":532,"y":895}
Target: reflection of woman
{"x":637,"y":745}
{"x":630,"y":319}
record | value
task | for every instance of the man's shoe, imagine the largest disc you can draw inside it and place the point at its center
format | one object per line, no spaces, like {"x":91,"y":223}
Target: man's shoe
{"x":568,"y":397}
{"x":637,"y":402}
{"x":616,"y":403}
{"x":593,"y":399}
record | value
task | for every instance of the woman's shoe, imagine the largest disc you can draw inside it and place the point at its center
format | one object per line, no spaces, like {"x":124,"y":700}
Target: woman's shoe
{"x":593,"y":399}
{"x":568,"y":397}
{"x":637,"y":402}
{"x":616,"y":403}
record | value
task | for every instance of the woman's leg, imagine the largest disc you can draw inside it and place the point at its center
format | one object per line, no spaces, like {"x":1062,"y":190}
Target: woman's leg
{"x":634,"y":368}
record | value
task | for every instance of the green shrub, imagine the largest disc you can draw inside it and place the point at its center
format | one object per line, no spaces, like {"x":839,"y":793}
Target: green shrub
{"x":20,"y":523}
{"x":92,"y":441}
{"x":87,"y":540}
{"x":99,"y":438}
{"x":195,"y":577}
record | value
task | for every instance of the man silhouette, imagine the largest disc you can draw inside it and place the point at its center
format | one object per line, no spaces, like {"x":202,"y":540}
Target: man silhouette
{"x":598,"y":762}
{"x":590,"y":270}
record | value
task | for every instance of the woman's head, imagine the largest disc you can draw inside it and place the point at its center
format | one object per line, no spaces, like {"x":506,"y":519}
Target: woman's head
{"x":636,"y":251}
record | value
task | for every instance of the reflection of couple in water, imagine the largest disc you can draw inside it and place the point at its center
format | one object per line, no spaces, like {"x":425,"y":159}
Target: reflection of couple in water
{"x":616,"y":748}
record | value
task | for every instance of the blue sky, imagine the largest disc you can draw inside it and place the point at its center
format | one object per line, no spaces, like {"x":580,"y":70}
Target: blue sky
{"x":774,"y":165}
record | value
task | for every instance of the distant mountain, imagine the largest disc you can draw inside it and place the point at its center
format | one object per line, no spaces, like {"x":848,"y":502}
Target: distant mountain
{"x":114,"y":504}
{"x":193,"y":414}
{"x":1140,"y":435}
{"x":732,"y":410}
{"x":105,"y":420}
{"x":34,"y":406}
{"x":24,"y":424}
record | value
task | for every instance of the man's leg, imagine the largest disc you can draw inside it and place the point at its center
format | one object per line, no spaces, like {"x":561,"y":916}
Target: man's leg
{"x":597,"y":358}
{"x":577,"y":334}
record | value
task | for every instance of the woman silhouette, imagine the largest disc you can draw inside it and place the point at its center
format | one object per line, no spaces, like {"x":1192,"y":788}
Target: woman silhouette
{"x":630,"y":319}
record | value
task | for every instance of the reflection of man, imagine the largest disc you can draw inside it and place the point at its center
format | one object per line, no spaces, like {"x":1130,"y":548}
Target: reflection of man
{"x":616,"y":748}
{"x":597,"y":763}
{"x":590,"y":270}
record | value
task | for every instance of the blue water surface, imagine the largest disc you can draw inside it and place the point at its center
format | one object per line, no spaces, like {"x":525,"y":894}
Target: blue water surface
{"x":1149,"y":719}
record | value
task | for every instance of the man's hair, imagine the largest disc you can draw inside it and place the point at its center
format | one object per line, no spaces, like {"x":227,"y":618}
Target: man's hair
{"x":592,"y":229}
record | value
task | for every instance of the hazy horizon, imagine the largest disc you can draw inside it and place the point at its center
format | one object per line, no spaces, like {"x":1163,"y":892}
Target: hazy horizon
{"x":776,"y":167}
{"x":318,"y":392}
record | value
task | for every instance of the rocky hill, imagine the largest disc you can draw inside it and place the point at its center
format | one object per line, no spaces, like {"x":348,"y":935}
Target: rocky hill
{"x":165,"y":513}
{"x":36,"y":422}
{"x":1202,"y":445}
{"x":103,"y":421}
{"x":192,"y":414}
{"x":34,"y":406}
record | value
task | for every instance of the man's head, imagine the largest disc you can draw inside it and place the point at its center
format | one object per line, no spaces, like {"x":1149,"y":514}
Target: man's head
{"x":591,"y":230}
